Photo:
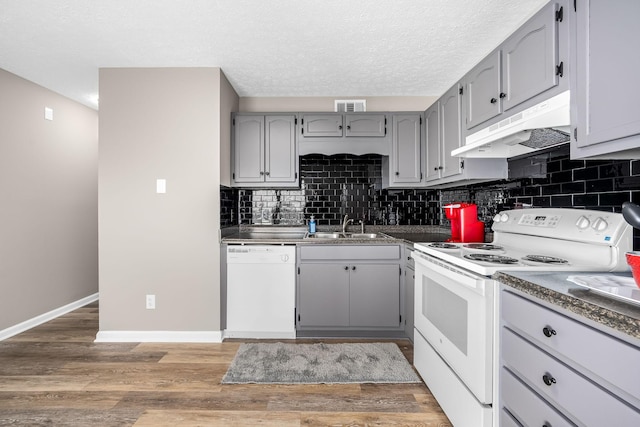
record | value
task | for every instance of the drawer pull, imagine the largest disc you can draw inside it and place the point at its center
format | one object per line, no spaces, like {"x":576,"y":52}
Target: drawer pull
{"x":548,"y":331}
{"x":548,"y":379}
{"x":546,"y":424}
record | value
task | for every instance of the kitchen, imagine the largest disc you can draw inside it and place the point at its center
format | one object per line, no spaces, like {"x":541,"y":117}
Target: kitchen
{"x":566,"y":182}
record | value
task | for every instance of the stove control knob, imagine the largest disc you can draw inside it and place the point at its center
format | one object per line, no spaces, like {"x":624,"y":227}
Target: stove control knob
{"x":599,"y":224}
{"x":496,"y":218}
{"x":504,"y":217}
{"x":583,"y":222}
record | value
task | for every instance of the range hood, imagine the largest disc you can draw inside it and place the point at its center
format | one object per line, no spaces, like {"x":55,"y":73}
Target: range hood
{"x":542,"y":126}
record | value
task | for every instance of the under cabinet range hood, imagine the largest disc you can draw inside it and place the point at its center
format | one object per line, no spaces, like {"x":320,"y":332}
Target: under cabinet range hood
{"x":542,"y":126}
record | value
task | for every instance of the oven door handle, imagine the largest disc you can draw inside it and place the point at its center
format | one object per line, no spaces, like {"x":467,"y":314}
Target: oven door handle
{"x":462,"y":278}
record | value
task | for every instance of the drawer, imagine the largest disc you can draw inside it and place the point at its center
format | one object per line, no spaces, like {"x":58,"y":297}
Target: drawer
{"x":348,"y":252}
{"x":506,"y":420}
{"x":526,"y":406}
{"x":571,"y":393}
{"x":607,"y":357}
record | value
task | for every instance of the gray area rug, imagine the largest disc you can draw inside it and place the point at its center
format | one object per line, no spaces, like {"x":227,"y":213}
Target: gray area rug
{"x":280,"y":363}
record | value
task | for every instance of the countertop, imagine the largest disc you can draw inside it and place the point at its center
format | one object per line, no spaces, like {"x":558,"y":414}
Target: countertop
{"x":554,"y":288}
{"x":392,"y":234}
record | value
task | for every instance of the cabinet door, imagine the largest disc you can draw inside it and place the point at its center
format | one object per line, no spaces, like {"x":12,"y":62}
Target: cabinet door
{"x":432,"y":141}
{"x":530,"y":57}
{"x":248,"y":149}
{"x":374,"y":295}
{"x":281,"y":157}
{"x":323,"y":295}
{"x":606,"y":71}
{"x":483,"y":90}
{"x":366,"y":125}
{"x":405,"y":149}
{"x":321,"y":125}
{"x":450,"y":131}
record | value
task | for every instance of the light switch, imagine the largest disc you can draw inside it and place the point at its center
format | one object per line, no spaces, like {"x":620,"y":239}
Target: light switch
{"x":48,"y":113}
{"x":161,"y":186}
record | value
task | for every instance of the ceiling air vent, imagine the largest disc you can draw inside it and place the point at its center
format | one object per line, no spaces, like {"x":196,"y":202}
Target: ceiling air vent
{"x":350,"y":105}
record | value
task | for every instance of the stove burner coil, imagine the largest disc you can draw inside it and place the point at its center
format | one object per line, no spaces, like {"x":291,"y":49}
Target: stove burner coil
{"x":483,"y":246}
{"x":495,"y":259}
{"x":544,"y":259}
{"x":439,"y":245}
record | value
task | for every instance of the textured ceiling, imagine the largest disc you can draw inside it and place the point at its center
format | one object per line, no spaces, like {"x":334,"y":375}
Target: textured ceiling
{"x":265,"y":47}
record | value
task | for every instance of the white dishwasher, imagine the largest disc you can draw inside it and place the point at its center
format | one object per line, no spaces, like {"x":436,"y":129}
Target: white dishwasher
{"x":261,"y":288}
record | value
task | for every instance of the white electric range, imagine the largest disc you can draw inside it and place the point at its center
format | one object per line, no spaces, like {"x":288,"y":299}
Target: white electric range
{"x":455,"y":296}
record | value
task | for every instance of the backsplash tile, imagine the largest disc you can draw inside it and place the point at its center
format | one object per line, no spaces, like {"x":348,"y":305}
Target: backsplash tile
{"x":332,"y":186}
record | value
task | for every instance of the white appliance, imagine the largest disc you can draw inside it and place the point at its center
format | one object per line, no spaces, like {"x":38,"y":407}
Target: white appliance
{"x":261,"y":283}
{"x":515,"y":136}
{"x":455,"y":297}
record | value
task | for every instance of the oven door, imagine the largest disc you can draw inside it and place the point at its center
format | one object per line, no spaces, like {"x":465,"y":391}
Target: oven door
{"x":454,"y":313}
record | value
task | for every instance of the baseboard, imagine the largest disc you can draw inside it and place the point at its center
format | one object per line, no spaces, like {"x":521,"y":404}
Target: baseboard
{"x":260,"y":334}
{"x":43,"y":318}
{"x":160,"y":336}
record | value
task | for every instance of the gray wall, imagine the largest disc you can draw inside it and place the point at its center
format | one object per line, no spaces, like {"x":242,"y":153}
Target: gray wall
{"x":160,"y":123}
{"x":326,"y":103}
{"x":48,"y":201}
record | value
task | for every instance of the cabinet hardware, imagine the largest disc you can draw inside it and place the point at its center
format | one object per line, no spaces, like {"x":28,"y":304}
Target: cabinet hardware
{"x":397,"y":173}
{"x":267,"y":173}
{"x":575,"y":134}
{"x":295,"y":121}
{"x":559,"y":14}
{"x":420,"y":176}
{"x":574,"y":6}
{"x":460,"y":91}
{"x":348,"y":127}
{"x":420,"y":119}
{"x":346,"y":267}
{"x":261,"y":173}
{"x":493,"y":100}
{"x":502,"y":95}
{"x":461,"y":164}
{"x":548,"y":379}
{"x":548,"y":331}
{"x":298,"y":270}
{"x":302,"y":130}
{"x":296,"y":175}
{"x":234,"y":122}
{"x":233,"y":175}
{"x":440,"y":167}
{"x":298,"y":317}
{"x":353,"y":268}
{"x":340,"y":127}
{"x":560,"y":69}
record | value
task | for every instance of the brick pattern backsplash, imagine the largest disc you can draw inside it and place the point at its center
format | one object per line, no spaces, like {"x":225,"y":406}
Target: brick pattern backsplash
{"x":228,"y":206}
{"x":332,"y":186}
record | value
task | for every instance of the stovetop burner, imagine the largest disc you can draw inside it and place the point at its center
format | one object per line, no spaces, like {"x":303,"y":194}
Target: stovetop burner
{"x":545,"y":259}
{"x":483,"y":246}
{"x":441,"y":245}
{"x":495,"y":259}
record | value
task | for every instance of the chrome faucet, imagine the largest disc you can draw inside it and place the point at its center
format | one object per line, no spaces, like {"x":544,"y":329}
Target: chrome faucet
{"x":361,"y":222}
{"x":346,"y":221}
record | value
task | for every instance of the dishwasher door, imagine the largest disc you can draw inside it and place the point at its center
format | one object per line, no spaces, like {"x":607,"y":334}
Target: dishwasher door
{"x":261,"y":283}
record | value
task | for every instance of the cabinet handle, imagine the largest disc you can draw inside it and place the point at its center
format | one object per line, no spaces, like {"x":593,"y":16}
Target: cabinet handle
{"x":348,"y":127}
{"x":397,"y":173}
{"x":267,"y":173}
{"x":353,"y":268}
{"x":261,"y":173}
{"x":548,"y":331}
{"x":502,"y":94}
{"x":548,"y":379}
{"x":340,"y":127}
{"x":440,"y":167}
{"x":493,"y":100}
{"x":346,"y":267}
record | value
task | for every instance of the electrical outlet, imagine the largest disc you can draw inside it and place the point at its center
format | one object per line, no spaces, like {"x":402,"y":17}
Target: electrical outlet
{"x":151,"y":302}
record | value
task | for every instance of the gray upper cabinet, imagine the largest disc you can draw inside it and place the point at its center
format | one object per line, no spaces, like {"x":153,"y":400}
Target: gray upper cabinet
{"x":450,"y":131}
{"x":443,"y":134}
{"x":526,"y":65}
{"x":484,"y":88}
{"x":321,"y":125}
{"x":403,"y":168}
{"x":604,"y":98}
{"x":530,"y":62}
{"x":339,"y":125}
{"x":264,"y":151}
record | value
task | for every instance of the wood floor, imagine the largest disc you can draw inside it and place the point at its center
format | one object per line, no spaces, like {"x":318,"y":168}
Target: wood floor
{"x":55,"y":375}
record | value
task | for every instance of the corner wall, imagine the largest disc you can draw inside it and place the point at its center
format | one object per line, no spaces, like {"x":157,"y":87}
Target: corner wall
{"x":159,"y":123}
{"x":49,"y":201}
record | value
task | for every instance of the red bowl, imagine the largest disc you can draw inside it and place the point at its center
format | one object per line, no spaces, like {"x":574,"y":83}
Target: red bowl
{"x":633,"y":259}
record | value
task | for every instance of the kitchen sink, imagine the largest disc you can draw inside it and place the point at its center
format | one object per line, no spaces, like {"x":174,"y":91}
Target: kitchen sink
{"x":336,"y":235}
{"x":275,"y":233}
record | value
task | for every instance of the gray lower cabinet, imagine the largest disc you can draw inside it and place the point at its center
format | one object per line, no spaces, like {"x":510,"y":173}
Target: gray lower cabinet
{"x":264,"y":151}
{"x":558,"y":371}
{"x":404,"y":166}
{"x":346,"y":287}
{"x":604,"y":96}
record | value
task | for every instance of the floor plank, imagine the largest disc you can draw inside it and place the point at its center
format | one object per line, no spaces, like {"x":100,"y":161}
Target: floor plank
{"x":55,"y":374}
